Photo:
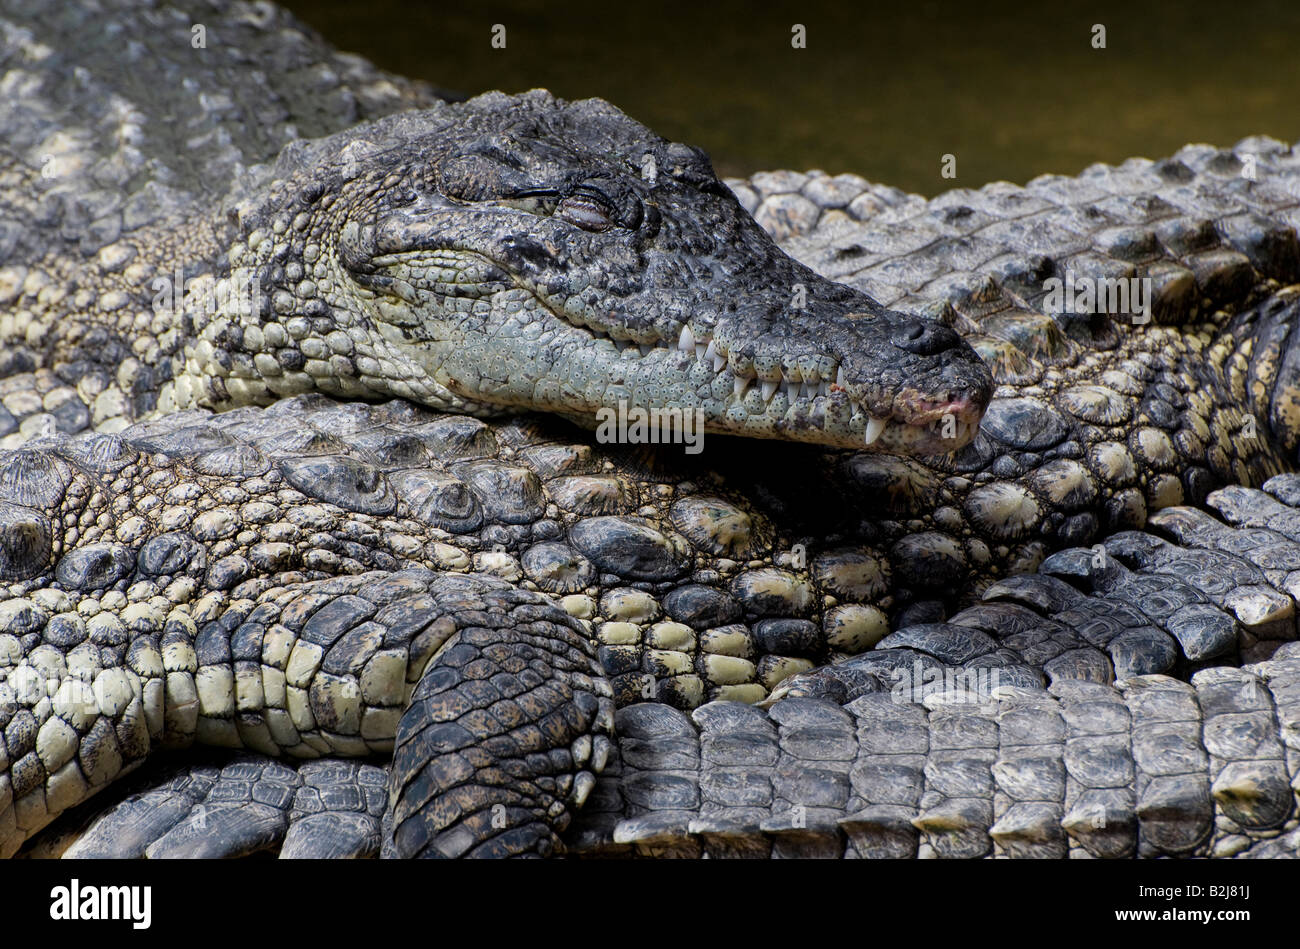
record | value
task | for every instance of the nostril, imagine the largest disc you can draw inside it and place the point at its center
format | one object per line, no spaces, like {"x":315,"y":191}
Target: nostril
{"x":925,"y":339}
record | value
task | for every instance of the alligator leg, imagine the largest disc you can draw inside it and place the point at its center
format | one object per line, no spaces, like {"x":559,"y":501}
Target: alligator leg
{"x":321,"y":668}
{"x":503,"y":735}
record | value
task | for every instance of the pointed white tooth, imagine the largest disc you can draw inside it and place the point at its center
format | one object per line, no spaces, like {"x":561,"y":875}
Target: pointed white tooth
{"x":839,"y":376}
{"x":874,"y":428}
{"x":700,"y":349}
{"x":785,"y":387}
{"x":769,"y":390}
{"x":740,"y":385}
{"x":687,"y":341}
{"x":823,"y":388}
{"x":711,"y":352}
{"x":807,"y":391}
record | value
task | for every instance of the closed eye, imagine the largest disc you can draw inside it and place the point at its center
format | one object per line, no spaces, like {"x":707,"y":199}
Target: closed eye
{"x":539,"y":201}
{"x":587,"y":211}
{"x":584,"y":207}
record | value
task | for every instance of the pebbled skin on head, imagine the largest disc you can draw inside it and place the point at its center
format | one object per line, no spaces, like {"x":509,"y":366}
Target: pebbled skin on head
{"x":521,"y":253}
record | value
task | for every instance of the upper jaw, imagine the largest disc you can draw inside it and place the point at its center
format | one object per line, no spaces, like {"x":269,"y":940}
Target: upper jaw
{"x":830,"y":404}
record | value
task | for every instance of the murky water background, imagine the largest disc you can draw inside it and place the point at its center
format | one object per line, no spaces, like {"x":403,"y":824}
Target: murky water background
{"x":882,"y":89}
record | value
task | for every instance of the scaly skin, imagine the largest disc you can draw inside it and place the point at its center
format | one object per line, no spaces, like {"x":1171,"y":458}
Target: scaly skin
{"x":499,"y":256}
{"x":1153,"y":767}
{"x":911,"y":765}
{"x":218,"y":569}
{"x":971,"y":767}
{"x":504,"y":254}
{"x":311,"y":669}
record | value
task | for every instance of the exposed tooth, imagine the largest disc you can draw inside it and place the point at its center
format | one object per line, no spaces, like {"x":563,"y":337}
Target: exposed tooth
{"x":807,"y":391}
{"x":700,"y":349}
{"x":718,"y":363}
{"x":823,"y":388}
{"x":769,"y":390}
{"x":687,"y":341}
{"x":874,"y":428}
{"x":710,"y":351}
{"x":740,"y":385}
{"x":785,"y":387}
{"x":839,"y":376}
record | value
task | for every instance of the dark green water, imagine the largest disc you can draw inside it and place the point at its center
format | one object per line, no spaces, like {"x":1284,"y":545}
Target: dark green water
{"x":882,"y":89}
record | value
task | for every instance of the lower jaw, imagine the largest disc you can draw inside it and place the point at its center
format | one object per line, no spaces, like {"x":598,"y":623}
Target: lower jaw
{"x":833,"y":423}
{"x":934,"y":439}
{"x":937,"y":435}
{"x":900,"y":439}
{"x":633,"y":424}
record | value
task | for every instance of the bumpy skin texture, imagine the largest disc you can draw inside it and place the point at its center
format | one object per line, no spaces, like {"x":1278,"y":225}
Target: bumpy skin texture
{"x":309,"y":669}
{"x":1205,"y":230}
{"x":498,"y":738}
{"x":383,"y":257}
{"x":1195,"y":590}
{"x":501,"y":254}
{"x":934,"y":744}
{"x":1206,"y":594}
{"x":1151,"y":767}
{"x":316,"y":810}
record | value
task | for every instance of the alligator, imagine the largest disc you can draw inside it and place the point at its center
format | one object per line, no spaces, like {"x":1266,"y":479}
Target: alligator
{"x":274,"y":480}
{"x":1092,"y":707}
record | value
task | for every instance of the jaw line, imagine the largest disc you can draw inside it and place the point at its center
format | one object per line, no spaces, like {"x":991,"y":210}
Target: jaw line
{"x":906,"y":435}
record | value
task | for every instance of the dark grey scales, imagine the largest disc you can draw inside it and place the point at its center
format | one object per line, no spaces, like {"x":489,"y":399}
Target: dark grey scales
{"x":314,"y":522}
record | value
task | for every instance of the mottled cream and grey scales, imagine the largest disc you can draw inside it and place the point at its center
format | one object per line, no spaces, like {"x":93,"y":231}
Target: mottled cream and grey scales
{"x":307,"y":544}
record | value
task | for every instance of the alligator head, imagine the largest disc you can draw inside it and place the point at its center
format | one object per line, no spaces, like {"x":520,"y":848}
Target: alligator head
{"x":519,"y":253}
